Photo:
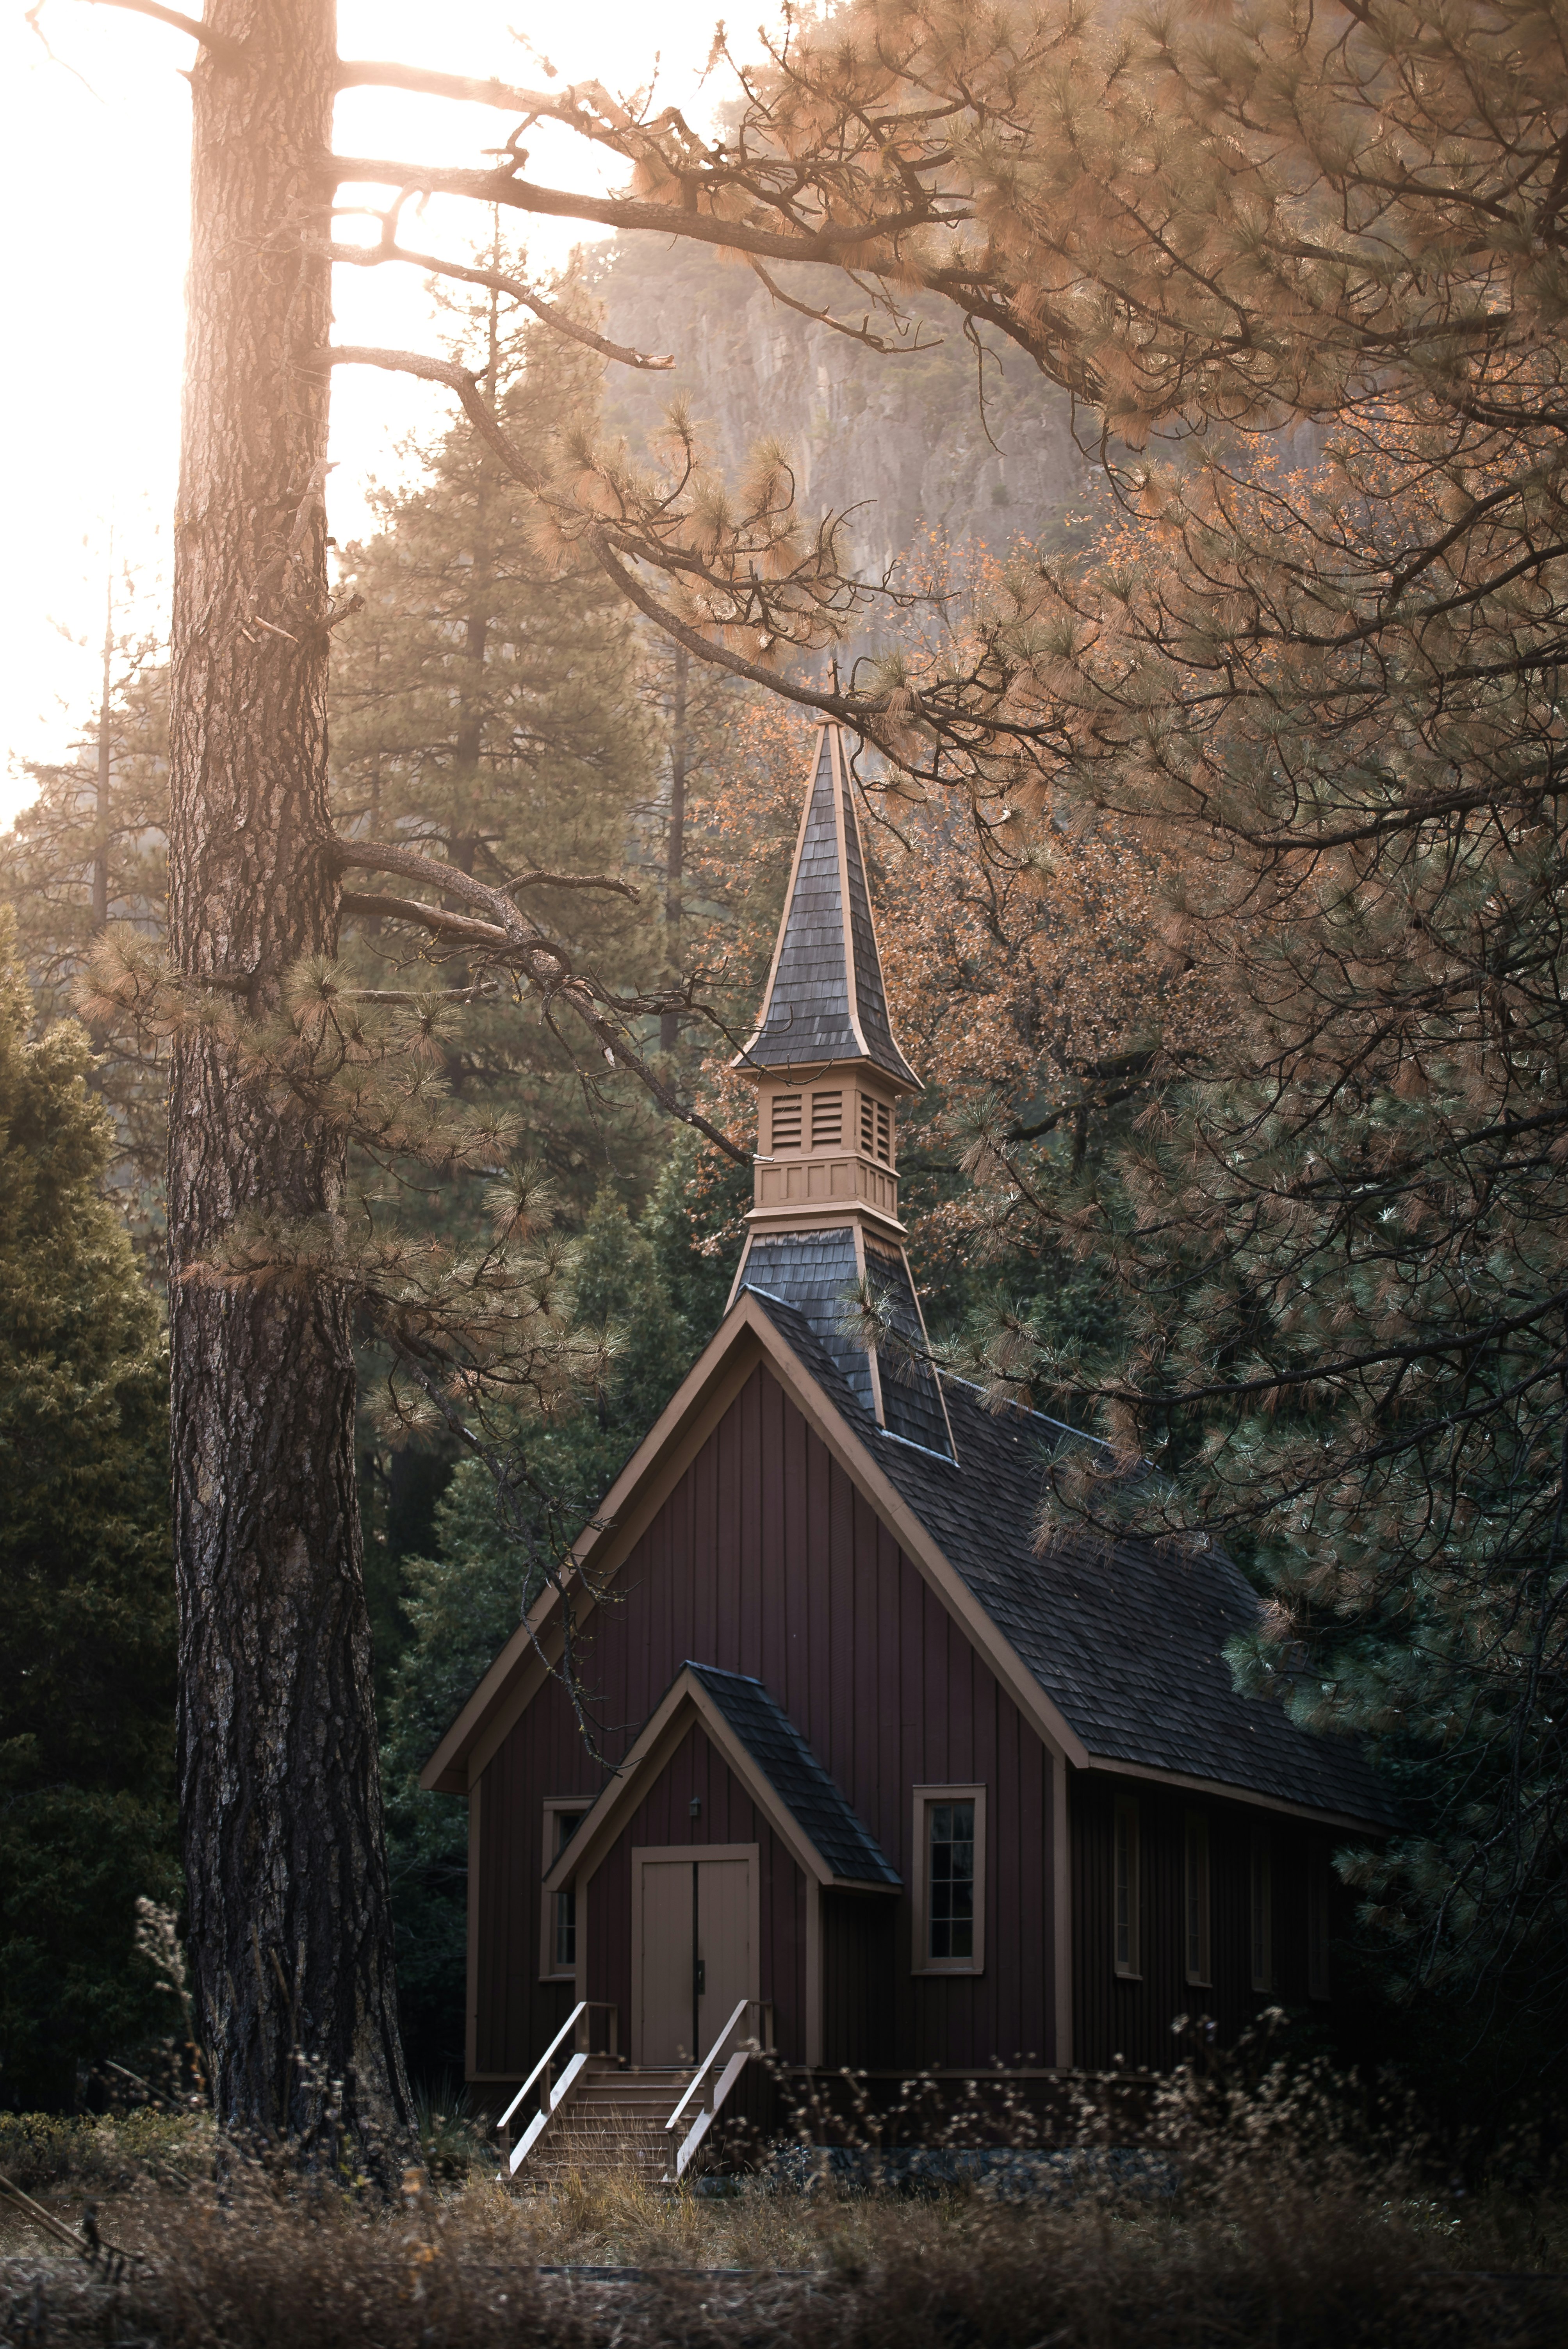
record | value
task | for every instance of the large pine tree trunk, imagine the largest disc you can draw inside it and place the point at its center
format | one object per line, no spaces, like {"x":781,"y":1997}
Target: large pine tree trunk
{"x":291,"y":1936}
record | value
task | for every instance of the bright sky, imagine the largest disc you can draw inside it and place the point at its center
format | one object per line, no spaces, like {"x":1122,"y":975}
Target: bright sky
{"x":93,"y":178}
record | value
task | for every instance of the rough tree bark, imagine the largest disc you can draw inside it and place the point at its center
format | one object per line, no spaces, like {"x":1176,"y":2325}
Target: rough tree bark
{"x":675,"y":850}
{"x":290,"y":1928}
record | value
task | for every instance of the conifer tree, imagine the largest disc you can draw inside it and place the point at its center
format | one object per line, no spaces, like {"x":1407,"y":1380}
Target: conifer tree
{"x":1208,"y":228}
{"x":87,"y":1586}
{"x":487,"y":709}
{"x":90,"y":849}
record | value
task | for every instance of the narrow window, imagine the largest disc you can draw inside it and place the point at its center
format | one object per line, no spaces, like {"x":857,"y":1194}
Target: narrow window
{"x":884,"y":1133}
{"x":786,"y":1122}
{"x":1318,"y":1889}
{"x":558,"y":1954}
{"x":950,"y":1928}
{"x":949,"y":1879}
{"x":827,"y":1121}
{"x":1261,"y":1911}
{"x":1195,"y":1909}
{"x":1128,"y":1942}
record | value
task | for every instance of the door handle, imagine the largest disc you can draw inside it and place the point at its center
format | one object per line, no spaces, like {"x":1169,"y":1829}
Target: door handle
{"x":701,"y":1977}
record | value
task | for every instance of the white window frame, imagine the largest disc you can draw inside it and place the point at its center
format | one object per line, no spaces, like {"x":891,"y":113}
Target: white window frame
{"x":1125,"y":1821}
{"x":924,"y":1796}
{"x":548,"y":1902}
{"x":1260,"y":1911}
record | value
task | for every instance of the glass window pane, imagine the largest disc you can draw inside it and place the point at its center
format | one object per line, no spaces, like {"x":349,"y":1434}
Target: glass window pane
{"x":950,"y":1879}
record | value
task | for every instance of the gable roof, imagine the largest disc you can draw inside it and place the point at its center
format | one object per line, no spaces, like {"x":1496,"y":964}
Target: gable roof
{"x":825,"y":1000}
{"x":1114,"y":1657}
{"x":790,"y":1767}
{"x":771,"y":1759}
{"x":1127,"y":1641}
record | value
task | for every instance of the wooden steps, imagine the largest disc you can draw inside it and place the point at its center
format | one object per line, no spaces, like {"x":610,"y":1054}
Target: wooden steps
{"x":613,"y":2118}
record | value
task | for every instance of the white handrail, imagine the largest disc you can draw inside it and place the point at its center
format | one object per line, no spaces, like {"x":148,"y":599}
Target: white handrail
{"x":570,"y":2024}
{"x":709,"y":2061}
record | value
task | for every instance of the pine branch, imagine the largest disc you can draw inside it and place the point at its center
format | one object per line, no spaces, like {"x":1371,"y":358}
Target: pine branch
{"x":872,"y":245}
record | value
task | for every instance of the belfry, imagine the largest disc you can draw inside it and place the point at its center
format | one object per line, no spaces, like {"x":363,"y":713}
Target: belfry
{"x":830,"y":1076}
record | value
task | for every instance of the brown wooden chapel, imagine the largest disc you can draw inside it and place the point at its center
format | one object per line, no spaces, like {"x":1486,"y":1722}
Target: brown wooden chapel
{"x":935,"y":1800}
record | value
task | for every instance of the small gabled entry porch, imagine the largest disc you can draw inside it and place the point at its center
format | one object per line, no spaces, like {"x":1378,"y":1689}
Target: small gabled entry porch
{"x":695,"y":1884}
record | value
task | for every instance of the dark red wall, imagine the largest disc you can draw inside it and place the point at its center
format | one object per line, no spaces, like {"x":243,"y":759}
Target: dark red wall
{"x":764,"y":1560}
{"x":1114,"y":2017}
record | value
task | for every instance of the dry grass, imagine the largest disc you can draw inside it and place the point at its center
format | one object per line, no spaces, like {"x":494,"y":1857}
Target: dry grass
{"x":262,"y":2260}
{"x":1292,"y":2212}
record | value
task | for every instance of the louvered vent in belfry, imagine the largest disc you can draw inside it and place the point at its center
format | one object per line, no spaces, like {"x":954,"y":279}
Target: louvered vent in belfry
{"x":827,"y":1121}
{"x":786,"y":1123}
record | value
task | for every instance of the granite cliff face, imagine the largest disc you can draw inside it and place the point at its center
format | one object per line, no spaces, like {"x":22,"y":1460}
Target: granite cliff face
{"x":899,"y":440}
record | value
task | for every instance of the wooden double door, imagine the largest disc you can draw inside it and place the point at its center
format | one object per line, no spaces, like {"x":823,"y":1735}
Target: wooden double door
{"x":695,"y":1926}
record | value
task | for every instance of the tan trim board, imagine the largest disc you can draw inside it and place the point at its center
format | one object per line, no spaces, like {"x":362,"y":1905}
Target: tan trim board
{"x":471,"y":1966}
{"x":860,"y":1465}
{"x":742,"y":1058}
{"x":813,"y":1983}
{"x":548,"y":1971}
{"x":1223,"y":1792}
{"x":852,"y":992}
{"x":747,"y":1336}
{"x":1061,"y":1913}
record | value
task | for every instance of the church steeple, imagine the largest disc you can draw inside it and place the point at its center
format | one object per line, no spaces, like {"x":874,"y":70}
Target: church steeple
{"x":830,"y":1075}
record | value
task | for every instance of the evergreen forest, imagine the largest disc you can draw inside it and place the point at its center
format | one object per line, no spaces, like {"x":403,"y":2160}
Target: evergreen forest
{"x":1211,"y":761}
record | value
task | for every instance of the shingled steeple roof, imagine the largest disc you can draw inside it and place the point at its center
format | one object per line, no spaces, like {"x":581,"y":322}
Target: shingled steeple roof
{"x":825,"y":1001}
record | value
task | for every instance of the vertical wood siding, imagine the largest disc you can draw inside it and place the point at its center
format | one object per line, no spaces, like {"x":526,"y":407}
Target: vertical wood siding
{"x":1114,"y":2017}
{"x":764,"y":1560}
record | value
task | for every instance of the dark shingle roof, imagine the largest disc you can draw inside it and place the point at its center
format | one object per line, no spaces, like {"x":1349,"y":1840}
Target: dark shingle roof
{"x":912,"y":1401}
{"x":808,"y":1015}
{"x":799,"y":1779}
{"x":815,"y":1271}
{"x":1126,"y":1643}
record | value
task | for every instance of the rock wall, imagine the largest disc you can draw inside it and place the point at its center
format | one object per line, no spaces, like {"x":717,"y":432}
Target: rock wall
{"x":899,"y":440}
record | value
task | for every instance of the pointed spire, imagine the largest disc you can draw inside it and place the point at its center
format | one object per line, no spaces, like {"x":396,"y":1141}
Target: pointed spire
{"x":825,"y":1002}
{"x":829,"y":1074}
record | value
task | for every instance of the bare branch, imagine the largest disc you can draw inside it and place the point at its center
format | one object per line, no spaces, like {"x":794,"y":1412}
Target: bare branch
{"x":226,"y":52}
{"x":861,"y":334}
{"x":370,"y":257}
{"x":382,"y":857}
{"x":371,"y":73}
{"x":458,"y":927}
{"x":542,"y":880}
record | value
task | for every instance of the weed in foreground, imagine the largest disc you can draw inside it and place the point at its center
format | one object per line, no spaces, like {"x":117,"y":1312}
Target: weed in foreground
{"x":268,"y":2260}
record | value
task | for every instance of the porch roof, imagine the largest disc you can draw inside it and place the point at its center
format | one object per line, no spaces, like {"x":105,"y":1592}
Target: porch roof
{"x":771,"y":1759}
{"x":790,"y":1767}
